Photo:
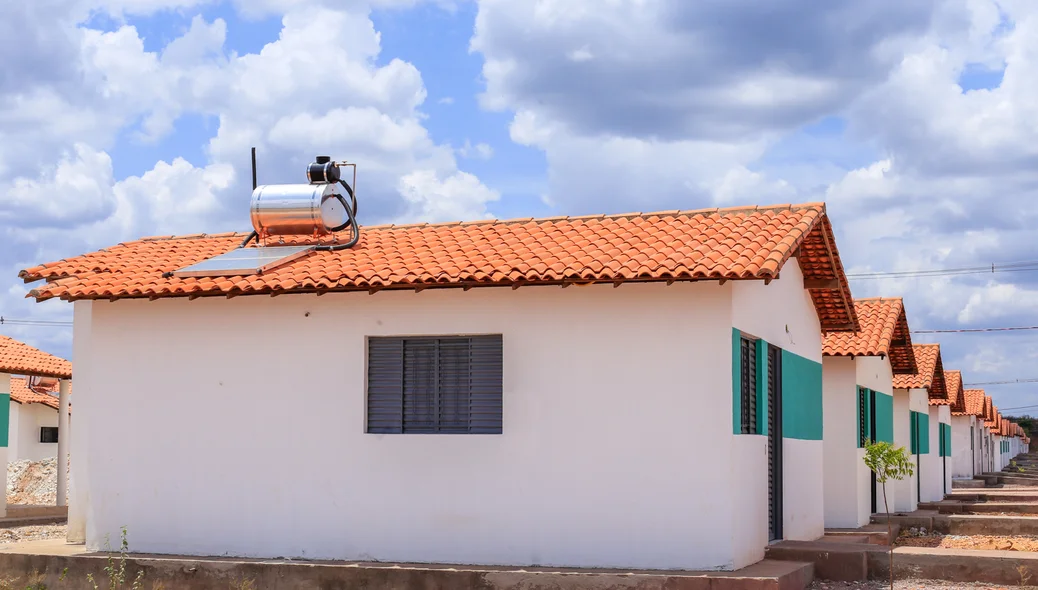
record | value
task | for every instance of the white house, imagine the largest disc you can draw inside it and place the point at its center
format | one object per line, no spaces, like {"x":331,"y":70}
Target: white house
{"x":941,"y":438}
{"x":912,"y":393}
{"x":641,"y":390}
{"x":33,"y":433}
{"x":968,"y":436}
{"x":991,"y":446}
{"x":858,"y":369}
{"x":18,"y":358}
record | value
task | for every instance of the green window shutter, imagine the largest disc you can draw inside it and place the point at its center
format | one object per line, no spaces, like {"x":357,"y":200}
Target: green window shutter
{"x":924,"y":433}
{"x":947,"y":440}
{"x":914,"y":432}
{"x":861,"y":417}
{"x":884,"y":416}
{"x":736,"y":382}
{"x":5,"y":417}
{"x":801,"y":397}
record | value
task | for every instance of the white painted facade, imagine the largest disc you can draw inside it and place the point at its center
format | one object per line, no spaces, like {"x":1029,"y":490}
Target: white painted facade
{"x":604,"y":459}
{"x":907,"y":491}
{"x":24,"y":432}
{"x":936,"y":470}
{"x":848,"y":482}
{"x":965,"y":448}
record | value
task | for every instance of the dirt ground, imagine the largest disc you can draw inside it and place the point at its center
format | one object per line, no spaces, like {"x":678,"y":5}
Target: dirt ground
{"x":32,"y":533}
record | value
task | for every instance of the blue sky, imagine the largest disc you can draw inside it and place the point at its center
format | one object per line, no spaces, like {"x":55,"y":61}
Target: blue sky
{"x":134,"y":117}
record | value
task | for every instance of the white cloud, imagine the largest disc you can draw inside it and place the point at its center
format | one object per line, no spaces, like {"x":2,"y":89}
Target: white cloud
{"x":459,"y":197}
{"x":481,"y":151}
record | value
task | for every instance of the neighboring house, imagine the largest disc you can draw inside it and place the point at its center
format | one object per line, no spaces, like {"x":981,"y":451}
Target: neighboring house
{"x":989,"y":436}
{"x":34,"y":420}
{"x":18,"y":358}
{"x":638,"y":391}
{"x":912,"y":393}
{"x":858,"y":369}
{"x":968,"y":436}
{"x":941,"y":436}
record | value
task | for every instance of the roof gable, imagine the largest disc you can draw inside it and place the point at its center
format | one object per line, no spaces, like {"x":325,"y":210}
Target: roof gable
{"x":884,"y":332}
{"x":929,"y":374}
{"x":974,"y":402}
{"x":21,"y":393}
{"x":18,"y":358}
{"x":956,"y":395}
{"x":713,"y":244}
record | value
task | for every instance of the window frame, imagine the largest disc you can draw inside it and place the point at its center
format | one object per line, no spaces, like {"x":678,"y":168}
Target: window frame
{"x":749,"y":383}
{"x":53,"y":429}
{"x":412,"y":384}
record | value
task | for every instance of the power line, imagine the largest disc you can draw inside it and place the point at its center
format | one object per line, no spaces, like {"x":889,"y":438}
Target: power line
{"x":1028,"y":266}
{"x":1001,"y":382}
{"x":975,"y":330}
{"x":4,"y":321}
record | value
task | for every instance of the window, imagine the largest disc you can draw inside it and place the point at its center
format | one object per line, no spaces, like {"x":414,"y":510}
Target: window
{"x":863,"y":425}
{"x":48,"y":434}
{"x":748,"y":384}
{"x":430,"y":385}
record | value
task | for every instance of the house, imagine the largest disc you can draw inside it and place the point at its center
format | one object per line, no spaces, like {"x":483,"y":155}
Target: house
{"x":16,"y":420}
{"x":941,"y":436}
{"x":640,"y":390}
{"x":989,"y":436}
{"x":912,"y":393}
{"x":33,"y":433}
{"x":858,"y":369}
{"x":967,"y":435}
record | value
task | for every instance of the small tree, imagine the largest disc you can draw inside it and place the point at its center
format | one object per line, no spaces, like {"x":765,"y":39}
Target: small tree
{"x":888,"y":462}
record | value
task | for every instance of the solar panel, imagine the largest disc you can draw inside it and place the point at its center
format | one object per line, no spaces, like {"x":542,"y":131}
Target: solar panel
{"x":244,"y":261}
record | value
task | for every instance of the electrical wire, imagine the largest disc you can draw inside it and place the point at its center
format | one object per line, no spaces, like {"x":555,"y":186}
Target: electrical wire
{"x":976,"y":330}
{"x":30,"y":322}
{"x":1027,"y":266}
{"x":1014,"y":382}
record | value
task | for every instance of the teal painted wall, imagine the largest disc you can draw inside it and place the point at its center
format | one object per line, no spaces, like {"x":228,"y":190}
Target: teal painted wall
{"x":5,"y":418}
{"x":801,"y":397}
{"x":884,"y":417}
{"x":762,"y":387}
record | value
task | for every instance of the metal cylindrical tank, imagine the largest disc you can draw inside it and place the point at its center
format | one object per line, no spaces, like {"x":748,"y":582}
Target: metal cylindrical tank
{"x":297,"y":209}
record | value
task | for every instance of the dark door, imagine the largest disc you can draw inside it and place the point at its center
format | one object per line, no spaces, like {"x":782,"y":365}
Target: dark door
{"x":774,"y":443}
{"x":872,"y":437}
{"x":918,"y":462}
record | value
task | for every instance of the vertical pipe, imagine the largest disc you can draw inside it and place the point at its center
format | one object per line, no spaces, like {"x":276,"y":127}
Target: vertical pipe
{"x":254,"y":185}
{"x":63,"y":439}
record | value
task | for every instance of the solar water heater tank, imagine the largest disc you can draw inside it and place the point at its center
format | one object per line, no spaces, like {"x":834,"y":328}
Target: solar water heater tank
{"x":298,"y":209}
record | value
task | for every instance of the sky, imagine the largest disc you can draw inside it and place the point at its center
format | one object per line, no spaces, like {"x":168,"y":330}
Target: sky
{"x":914,"y":121}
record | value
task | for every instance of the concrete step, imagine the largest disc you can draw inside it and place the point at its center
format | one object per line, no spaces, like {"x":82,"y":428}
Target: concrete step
{"x":171,"y":571}
{"x":966,"y":524}
{"x":875,"y":534}
{"x":1000,"y":568}
{"x":967,"y":483}
{"x":844,"y":562}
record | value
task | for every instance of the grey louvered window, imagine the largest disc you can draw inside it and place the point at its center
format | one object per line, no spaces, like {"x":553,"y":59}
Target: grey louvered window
{"x":429,"y":385}
{"x":748,"y":368}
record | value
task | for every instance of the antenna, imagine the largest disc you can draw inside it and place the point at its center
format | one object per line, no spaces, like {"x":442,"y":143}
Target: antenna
{"x":253,"y":168}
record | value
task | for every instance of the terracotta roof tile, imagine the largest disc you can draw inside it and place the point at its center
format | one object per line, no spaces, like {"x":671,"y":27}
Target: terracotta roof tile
{"x":18,"y":358}
{"x":930,"y":374}
{"x":884,"y":332}
{"x":746,"y":243}
{"x":956,"y":395}
{"x":21,"y":393}
{"x":974,"y":402}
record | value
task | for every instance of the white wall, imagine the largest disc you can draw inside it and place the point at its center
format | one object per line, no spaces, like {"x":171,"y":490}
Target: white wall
{"x":605,"y":459}
{"x":916,"y":400}
{"x":932,"y":474}
{"x":783,"y":314}
{"x":24,"y":436}
{"x":841,"y":454}
{"x":876,"y":374}
{"x":944,"y":415}
{"x":963,"y":456}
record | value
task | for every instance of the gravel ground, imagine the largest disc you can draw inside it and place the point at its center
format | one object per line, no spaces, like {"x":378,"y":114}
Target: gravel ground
{"x":32,"y":533}
{"x":34,"y":483}
{"x":909,"y":585}
{"x":920,"y":537}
